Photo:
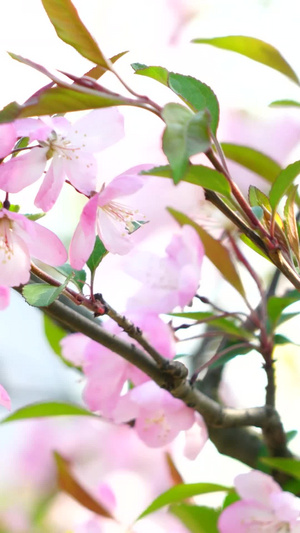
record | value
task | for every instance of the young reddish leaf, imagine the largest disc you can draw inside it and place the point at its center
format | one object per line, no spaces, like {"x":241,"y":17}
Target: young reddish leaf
{"x":99,"y":70}
{"x":283,"y":182}
{"x":176,"y":477}
{"x":198,"y":175}
{"x":215,"y":251}
{"x":72,"y":31}
{"x":255,"y":49}
{"x":290,"y":223}
{"x":252,"y":159}
{"x":69,"y":484}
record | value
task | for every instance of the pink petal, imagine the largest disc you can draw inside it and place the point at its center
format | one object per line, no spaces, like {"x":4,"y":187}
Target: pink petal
{"x":51,"y":186}
{"x":4,"y":297}
{"x":286,"y":506}
{"x":246,"y":516}
{"x":81,"y":170}
{"x":23,"y":170}
{"x":195,"y":438}
{"x":98,"y":130}
{"x":8,"y":137}
{"x":83,"y":240}
{"x":14,"y":266}
{"x":4,"y":398}
{"x":127,"y":183}
{"x":256,"y":485}
{"x":113,"y":234}
{"x":42,"y":243}
{"x":35,"y":129}
{"x":73,"y":348}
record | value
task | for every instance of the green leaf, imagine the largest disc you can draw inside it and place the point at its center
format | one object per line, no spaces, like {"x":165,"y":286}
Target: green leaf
{"x":42,"y":294}
{"x":69,"y":484}
{"x":285,"y":317}
{"x":72,"y":31}
{"x":289,"y":466}
{"x":54,"y":334}
{"x":180,"y":493}
{"x":98,"y":253}
{"x":258,"y":198}
{"x":290,"y":222}
{"x":198,"y":175}
{"x":255,"y":49}
{"x":282,"y":339}
{"x":78,"y":277}
{"x":197,"y":519}
{"x":253,"y":246}
{"x":231,"y":354}
{"x":157,"y":73}
{"x":224,"y":324}
{"x":284,"y":103}
{"x":276,"y":305}
{"x":283,"y":182}
{"x":214,"y":250}
{"x":197,"y":95}
{"x":21,"y":143}
{"x":186,"y":134}
{"x":230,"y":498}
{"x":252,"y":159}
{"x":42,"y":410}
{"x":35,"y":216}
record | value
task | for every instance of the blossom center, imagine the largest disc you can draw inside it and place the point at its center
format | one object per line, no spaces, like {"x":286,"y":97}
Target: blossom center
{"x":61,"y":146}
{"x":126,"y":215}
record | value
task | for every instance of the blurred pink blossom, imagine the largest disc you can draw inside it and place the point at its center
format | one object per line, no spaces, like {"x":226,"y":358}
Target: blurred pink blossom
{"x":8,"y":137}
{"x":107,"y":372}
{"x":21,"y":238}
{"x":112,"y":221}
{"x":264,"y":507}
{"x":4,"y":297}
{"x":159,"y":417}
{"x":71,"y":147}
{"x":4,"y":398}
{"x":168,"y":281}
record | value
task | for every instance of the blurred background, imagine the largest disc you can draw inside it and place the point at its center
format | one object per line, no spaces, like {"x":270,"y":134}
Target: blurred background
{"x":156,"y":33}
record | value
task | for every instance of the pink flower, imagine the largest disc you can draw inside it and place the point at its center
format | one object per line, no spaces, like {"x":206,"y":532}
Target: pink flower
{"x":168,"y":281}
{"x":107,"y":372}
{"x":112,"y":221}
{"x":8,"y":138}
{"x":4,"y":297}
{"x":4,"y":398}
{"x":71,"y":148}
{"x":21,"y":238}
{"x":264,"y":507}
{"x":158,"y":416}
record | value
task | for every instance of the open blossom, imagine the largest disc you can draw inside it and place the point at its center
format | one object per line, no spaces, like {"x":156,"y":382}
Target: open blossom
{"x":159,"y":417}
{"x":70,"y":148}
{"x":171,"y":280}
{"x":21,"y":238}
{"x":106,"y":216}
{"x":264,"y":507}
{"x":107,"y":372}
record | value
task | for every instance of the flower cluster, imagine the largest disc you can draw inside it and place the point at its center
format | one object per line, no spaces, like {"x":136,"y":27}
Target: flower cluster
{"x":264,"y":507}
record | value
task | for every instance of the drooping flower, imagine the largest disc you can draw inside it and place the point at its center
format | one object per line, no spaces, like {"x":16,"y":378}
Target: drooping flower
{"x":111,"y":220}
{"x":168,"y":281}
{"x":21,"y":238}
{"x":71,"y":147}
{"x":264,"y":507}
{"x":159,"y":417}
{"x":107,"y":372}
